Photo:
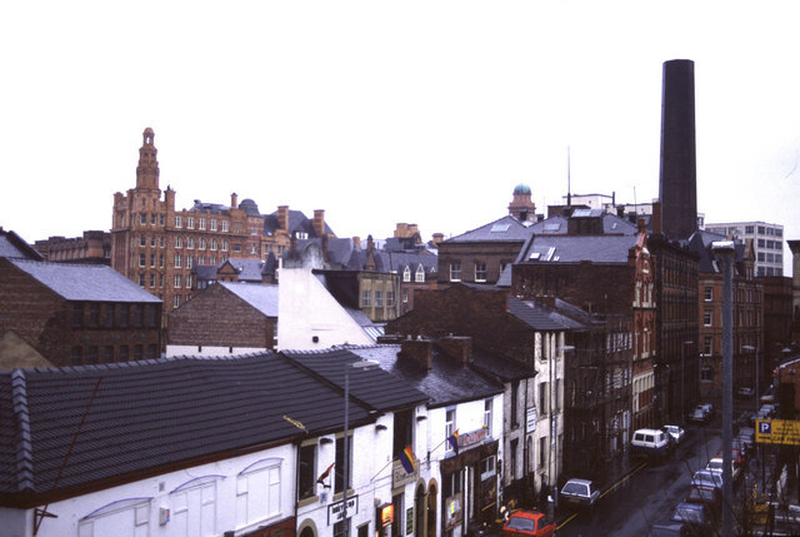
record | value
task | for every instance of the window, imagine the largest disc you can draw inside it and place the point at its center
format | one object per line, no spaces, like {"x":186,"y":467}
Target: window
{"x":213,"y":225}
{"x":224,"y":245}
{"x":449,"y":428}
{"x":138,"y":316}
{"x":153,"y":219}
{"x":124,"y":517}
{"x":543,"y":398}
{"x":177,"y":281}
{"x":161,"y":219}
{"x":389,"y":299}
{"x":307,"y":471}
{"x":143,"y":219}
{"x":143,"y":240}
{"x":123,"y":353}
{"x":138,"y":352}
{"x":188,"y":281}
{"x":141,"y":279}
{"x":405,"y":296}
{"x":202,"y":224}
{"x":543,"y":451}
{"x":77,"y":355}
{"x":153,"y":241}
{"x":161,"y":260}
{"x":708,"y":348}
{"x":189,"y":261}
{"x":749,"y":230}
{"x":108,"y":354}
{"x":455,"y":271}
{"x":213,"y":244}
{"x":225,"y":226}
{"x":707,"y":373}
{"x":189,"y":222}
{"x":161,"y":242}
{"x":708,"y":294}
{"x":77,"y":315}
{"x":487,"y":417}
{"x":190,"y":242}
{"x":178,"y":222}
{"x":152,"y":280}
{"x":142,"y":260}
{"x":178,"y":242}
{"x":176,"y":301}
{"x":124,"y":315}
{"x":339,"y":479}
{"x":152,"y":260}
{"x":238,"y":248}
{"x":108,"y":315}
{"x":178,"y":260}
{"x":708,"y":317}
{"x":378,"y":299}
{"x":202,"y":245}
{"x":194,"y":507}
{"x":152,"y":315}
{"x":366,"y":295}
{"x":407,"y":274}
{"x":514,"y":403}
{"x":480,"y":272}
{"x":419,"y":276}
{"x":258,"y":490}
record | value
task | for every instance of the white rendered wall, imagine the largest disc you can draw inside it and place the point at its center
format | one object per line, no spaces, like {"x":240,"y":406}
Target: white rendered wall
{"x":307,"y":310}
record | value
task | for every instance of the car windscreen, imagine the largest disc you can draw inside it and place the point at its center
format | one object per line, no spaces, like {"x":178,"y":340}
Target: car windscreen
{"x":521,"y":523}
{"x":575,"y":488}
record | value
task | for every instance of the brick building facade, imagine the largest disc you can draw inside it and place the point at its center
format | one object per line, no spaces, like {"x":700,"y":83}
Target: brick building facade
{"x":78,"y":314}
{"x":159,"y":247}
{"x":92,"y":247}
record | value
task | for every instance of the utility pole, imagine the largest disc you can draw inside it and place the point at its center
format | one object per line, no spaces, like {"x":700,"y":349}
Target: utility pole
{"x":725,"y":252}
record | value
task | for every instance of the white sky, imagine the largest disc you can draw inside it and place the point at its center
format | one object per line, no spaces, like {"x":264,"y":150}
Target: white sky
{"x":384,"y":112}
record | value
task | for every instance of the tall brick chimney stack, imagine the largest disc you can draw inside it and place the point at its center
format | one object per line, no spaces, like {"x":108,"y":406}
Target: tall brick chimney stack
{"x":417,"y":352}
{"x":234,"y":201}
{"x":283,"y":217}
{"x":319,"y":222}
{"x":678,"y":177}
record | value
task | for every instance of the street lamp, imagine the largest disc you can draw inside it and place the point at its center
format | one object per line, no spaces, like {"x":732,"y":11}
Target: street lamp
{"x":725,"y":251}
{"x":683,"y":381}
{"x":363,"y":364}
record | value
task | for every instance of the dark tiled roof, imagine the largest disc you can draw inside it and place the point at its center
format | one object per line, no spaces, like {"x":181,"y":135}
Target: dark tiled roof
{"x":85,"y":282}
{"x":577,"y":248}
{"x":373,"y":386}
{"x":262,"y":296}
{"x":153,"y":413}
{"x":206,"y":272}
{"x":398,"y":261}
{"x":249,"y":269}
{"x":612,"y":224}
{"x":446,"y":383}
{"x":700,"y":242}
{"x":538,"y":316}
{"x":297,"y":222}
{"x":499,"y":367}
{"x":12,"y":245}
{"x":506,"y":229}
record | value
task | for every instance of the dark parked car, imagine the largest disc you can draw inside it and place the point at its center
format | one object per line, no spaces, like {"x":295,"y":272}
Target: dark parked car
{"x":711,"y":497}
{"x":693,"y":514}
{"x":707,"y":478}
{"x":675,"y":529}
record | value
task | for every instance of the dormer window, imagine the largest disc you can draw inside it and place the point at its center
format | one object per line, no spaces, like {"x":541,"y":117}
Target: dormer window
{"x":419,"y":277}
{"x":407,"y":274}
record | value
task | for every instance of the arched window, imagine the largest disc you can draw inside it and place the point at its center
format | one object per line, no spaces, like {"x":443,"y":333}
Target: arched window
{"x":407,"y":274}
{"x":419,"y":277}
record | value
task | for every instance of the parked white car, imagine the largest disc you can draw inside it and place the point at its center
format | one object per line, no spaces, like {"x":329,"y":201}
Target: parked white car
{"x":677,"y":433}
{"x":716,"y":465}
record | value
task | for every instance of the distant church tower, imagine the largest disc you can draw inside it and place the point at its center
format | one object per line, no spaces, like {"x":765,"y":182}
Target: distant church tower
{"x":678,"y":176}
{"x":521,"y":207}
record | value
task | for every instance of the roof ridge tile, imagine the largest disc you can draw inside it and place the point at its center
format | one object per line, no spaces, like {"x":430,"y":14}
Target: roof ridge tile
{"x":24,"y":448}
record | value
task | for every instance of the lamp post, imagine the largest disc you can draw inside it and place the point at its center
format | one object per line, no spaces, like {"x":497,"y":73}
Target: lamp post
{"x":363,"y":364}
{"x":683,"y":381}
{"x":725,"y":251}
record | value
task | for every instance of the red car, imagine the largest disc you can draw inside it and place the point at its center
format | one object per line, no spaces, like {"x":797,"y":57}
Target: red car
{"x":529,"y":524}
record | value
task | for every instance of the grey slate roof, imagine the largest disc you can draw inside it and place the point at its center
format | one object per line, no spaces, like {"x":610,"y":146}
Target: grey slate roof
{"x":539,"y":316}
{"x":612,"y":224}
{"x":85,"y":282}
{"x":12,"y":245}
{"x":149,"y":414}
{"x":297,"y":222}
{"x":446,"y":383}
{"x":398,"y":261}
{"x":700,"y":243}
{"x":506,"y":229}
{"x":577,"y":248}
{"x":262,"y":296}
{"x":249,"y":269}
{"x":373,"y":386}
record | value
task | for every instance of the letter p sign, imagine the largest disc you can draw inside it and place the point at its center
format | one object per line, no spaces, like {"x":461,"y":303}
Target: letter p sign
{"x":765,"y":427}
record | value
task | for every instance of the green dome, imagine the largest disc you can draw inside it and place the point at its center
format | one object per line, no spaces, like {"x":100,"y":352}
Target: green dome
{"x":521,"y":189}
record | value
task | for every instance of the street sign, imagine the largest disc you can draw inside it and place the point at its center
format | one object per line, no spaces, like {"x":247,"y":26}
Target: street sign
{"x":786,"y":432}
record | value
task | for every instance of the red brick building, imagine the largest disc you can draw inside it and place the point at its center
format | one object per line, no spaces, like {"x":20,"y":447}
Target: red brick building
{"x":158,"y":246}
{"x":77,"y":314}
{"x":92,"y":247}
{"x":600,"y":263}
{"x":248,"y":325}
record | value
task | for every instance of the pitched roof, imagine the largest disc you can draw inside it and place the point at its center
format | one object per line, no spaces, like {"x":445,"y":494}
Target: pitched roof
{"x":701,"y":243}
{"x":145,"y":415}
{"x":506,"y":229}
{"x":539,"y":316}
{"x":249,"y":270}
{"x":262,"y":296}
{"x":373,"y":386}
{"x":446,"y":383}
{"x":98,"y":283}
{"x":559,"y":224}
{"x":297,"y":222}
{"x":12,"y":245}
{"x":577,"y":248}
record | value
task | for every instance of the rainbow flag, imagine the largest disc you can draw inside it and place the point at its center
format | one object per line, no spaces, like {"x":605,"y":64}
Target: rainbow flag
{"x":453,"y":439}
{"x":407,"y":460}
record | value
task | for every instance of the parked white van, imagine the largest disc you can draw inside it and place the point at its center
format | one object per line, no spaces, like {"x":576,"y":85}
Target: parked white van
{"x":650,"y":443}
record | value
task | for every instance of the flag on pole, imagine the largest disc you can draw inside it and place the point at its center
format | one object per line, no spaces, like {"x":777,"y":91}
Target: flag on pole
{"x":321,"y":479}
{"x":407,"y":459}
{"x":453,"y":439}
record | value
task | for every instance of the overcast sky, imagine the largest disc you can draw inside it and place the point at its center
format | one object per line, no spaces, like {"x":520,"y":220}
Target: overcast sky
{"x":384,"y":112}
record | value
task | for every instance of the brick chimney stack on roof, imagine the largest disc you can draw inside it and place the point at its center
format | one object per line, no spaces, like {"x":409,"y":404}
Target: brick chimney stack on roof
{"x":417,"y":352}
{"x":319,"y":222}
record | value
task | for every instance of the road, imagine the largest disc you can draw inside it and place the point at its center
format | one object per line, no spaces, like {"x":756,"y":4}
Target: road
{"x":629,"y":506}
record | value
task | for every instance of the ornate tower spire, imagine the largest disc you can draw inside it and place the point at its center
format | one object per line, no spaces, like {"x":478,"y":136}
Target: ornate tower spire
{"x":147,"y":170}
